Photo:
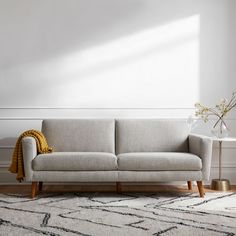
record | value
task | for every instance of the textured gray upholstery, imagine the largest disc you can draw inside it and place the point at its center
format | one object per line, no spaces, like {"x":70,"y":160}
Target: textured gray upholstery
{"x":148,"y":150}
{"x":29,"y":153}
{"x":159,"y":176}
{"x":113,"y":176}
{"x":75,"y":176}
{"x":69,"y":161}
{"x":159,"y":161}
{"x":151,"y":135}
{"x":202,"y":147}
{"x":80,"y":135}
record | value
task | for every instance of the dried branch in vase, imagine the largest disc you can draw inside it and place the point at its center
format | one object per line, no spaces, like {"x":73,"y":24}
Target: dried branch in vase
{"x":221,"y":110}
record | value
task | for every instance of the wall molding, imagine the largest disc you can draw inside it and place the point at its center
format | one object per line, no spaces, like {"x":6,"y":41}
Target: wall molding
{"x":5,"y":164}
{"x":30,"y":118}
{"x":65,"y":117}
{"x":58,"y":118}
{"x":98,"y":108}
{"x":7,"y":147}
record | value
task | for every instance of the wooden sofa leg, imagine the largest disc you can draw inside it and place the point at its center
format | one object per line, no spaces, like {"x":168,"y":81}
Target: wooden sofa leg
{"x":189,"y":185}
{"x":118,"y":187}
{"x":40,"y":186}
{"x":200,"y":188}
{"x":34,"y":189}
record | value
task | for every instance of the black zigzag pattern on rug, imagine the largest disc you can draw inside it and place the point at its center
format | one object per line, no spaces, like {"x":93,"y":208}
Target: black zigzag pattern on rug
{"x":89,"y":214}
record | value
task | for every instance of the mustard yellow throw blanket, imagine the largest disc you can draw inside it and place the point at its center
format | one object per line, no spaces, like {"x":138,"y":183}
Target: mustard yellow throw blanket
{"x":17,"y":164}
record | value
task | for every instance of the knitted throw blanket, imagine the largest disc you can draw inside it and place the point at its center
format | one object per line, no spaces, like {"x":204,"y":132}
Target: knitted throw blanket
{"x":17,"y":164}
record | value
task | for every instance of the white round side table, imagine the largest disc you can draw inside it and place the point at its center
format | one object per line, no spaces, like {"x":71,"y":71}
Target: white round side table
{"x":221,"y":184}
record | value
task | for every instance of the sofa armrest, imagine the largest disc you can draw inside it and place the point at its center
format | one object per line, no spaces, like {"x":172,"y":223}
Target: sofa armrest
{"x":202,"y":147}
{"x":29,"y":153}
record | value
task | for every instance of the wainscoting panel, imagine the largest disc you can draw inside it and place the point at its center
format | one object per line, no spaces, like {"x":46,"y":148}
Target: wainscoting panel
{"x":228,"y":157}
{"x":10,"y":129}
{"x":13,"y":121}
{"x":5,"y":154}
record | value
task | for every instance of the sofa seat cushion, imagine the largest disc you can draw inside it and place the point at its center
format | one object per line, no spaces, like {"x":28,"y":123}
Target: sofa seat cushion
{"x":159,"y":161}
{"x":69,"y":161}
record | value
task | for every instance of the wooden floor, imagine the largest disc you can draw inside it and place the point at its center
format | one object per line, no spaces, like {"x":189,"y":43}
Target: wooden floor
{"x":21,"y":188}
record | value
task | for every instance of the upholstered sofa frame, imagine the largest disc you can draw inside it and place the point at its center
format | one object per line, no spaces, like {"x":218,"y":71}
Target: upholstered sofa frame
{"x":122,"y":150}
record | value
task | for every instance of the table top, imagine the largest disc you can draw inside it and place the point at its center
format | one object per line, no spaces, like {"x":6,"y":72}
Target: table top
{"x":227,"y":139}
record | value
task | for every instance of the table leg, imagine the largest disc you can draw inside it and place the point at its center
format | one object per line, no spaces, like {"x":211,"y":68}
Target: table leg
{"x":220,"y":184}
{"x":220,"y":155}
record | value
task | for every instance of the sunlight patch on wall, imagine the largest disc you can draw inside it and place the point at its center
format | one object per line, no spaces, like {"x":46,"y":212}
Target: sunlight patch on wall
{"x":154,"y":68}
{"x":158,"y":67}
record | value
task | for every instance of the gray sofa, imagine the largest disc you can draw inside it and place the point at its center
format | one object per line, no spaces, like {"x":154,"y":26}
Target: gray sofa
{"x":124,"y":150}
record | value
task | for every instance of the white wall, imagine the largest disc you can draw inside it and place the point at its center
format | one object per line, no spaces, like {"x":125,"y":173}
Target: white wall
{"x":109,"y":58}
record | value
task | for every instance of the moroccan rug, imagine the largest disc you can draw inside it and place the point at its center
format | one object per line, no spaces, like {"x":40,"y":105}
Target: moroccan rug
{"x":118,"y":214}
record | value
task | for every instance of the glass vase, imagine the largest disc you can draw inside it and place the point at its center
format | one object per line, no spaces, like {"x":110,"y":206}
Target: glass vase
{"x":220,"y":130}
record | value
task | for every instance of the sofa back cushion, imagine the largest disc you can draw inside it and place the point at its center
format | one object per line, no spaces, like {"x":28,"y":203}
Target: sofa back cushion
{"x":80,"y":135}
{"x":151,"y":135}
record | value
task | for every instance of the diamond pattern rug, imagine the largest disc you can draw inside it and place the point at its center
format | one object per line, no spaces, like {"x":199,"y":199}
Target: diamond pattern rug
{"x":118,"y":214}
